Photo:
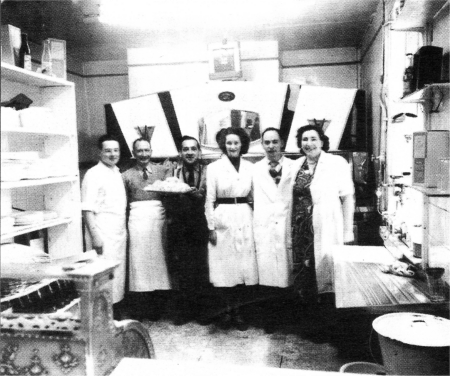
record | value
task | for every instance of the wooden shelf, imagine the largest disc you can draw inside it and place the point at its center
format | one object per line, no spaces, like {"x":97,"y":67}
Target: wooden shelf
{"x":36,"y":182}
{"x":431,"y":191}
{"x":37,"y":132}
{"x":415,"y":14}
{"x":16,"y":74}
{"x":20,"y":230}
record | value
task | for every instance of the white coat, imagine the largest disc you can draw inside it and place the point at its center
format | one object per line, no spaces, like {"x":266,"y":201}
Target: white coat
{"x":103,"y":193}
{"x":272,"y":224}
{"x":233,"y":260}
{"x":332,"y":180}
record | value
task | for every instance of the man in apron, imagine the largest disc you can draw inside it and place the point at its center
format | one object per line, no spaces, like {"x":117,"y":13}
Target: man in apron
{"x":188,"y":232}
{"x":272,"y":194}
{"x":104,"y":204}
{"x":148,"y":273}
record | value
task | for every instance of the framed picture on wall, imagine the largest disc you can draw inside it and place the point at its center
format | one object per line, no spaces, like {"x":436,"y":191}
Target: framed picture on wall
{"x":224,"y":61}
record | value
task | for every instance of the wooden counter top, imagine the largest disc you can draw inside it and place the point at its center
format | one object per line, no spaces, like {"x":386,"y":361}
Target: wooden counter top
{"x":360,"y":282}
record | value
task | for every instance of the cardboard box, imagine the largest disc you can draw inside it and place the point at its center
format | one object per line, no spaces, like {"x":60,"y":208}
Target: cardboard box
{"x":58,"y":52}
{"x":11,"y":42}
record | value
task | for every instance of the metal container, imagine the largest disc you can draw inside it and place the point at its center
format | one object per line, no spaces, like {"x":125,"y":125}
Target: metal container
{"x":413,"y":343}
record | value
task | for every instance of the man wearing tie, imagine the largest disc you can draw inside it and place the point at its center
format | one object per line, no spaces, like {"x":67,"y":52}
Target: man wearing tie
{"x":148,"y":273}
{"x":188,"y":231}
{"x":272,"y":194}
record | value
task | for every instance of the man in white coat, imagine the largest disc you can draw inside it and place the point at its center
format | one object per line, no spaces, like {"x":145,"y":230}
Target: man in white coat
{"x":271,"y":220}
{"x":272,"y":194}
{"x":104,"y":201}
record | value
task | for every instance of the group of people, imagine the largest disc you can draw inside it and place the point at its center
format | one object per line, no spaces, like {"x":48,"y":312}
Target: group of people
{"x":269,"y":224}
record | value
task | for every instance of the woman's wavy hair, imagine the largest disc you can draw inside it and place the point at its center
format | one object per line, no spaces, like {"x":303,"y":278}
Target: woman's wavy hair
{"x":324,"y":138}
{"x":221,"y":138}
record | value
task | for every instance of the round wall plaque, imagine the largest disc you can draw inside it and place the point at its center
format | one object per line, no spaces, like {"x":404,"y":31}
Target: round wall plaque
{"x":226,"y":96}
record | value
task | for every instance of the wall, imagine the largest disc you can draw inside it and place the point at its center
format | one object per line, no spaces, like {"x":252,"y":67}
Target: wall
{"x":372,"y":71}
{"x":148,"y":71}
{"x":96,"y":84}
{"x":333,"y":67}
{"x":155,"y":70}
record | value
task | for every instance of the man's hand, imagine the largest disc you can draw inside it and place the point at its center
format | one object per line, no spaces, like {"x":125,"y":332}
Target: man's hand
{"x":97,"y":244}
{"x":213,"y":237}
{"x":194,"y":192}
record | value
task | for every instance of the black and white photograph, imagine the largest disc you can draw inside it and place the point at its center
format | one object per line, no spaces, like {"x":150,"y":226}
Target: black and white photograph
{"x":224,"y":187}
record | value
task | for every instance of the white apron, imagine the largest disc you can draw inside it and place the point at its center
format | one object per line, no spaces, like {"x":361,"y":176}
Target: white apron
{"x":272,"y":224}
{"x":148,"y":266}
{"x":113,"y":232}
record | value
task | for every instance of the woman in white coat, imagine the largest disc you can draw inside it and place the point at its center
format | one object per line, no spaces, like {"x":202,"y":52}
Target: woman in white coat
{"x":322,"y":212}
{"x":231,"y":250}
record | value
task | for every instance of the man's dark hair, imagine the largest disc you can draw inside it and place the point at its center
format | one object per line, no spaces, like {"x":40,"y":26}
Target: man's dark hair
{"x":184,"y":138}
{"x":106,"y":137}
{"x":221,"y":138}
{"x":271,"y":129}
{"x":320,"y":132}
{"x":139,"y":140}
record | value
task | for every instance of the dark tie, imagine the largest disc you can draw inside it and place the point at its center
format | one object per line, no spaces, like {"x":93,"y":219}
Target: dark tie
{"x":276,"y":175}
{"x":191,"y":178}
{"x":145,"y":174}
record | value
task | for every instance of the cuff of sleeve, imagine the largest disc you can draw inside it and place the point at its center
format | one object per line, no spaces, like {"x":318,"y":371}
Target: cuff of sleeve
{"x":87,"y":207}
{"x":348,"y":236}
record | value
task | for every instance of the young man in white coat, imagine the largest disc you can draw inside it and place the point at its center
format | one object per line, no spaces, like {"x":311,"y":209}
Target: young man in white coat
{"x":104,"y":201}
{"x":272,"y":194}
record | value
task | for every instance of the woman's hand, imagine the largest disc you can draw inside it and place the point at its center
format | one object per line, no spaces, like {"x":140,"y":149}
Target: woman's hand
{"x":213,"y":237}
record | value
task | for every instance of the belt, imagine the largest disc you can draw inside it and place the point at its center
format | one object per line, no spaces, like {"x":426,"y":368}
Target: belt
{"x":232,"y":200}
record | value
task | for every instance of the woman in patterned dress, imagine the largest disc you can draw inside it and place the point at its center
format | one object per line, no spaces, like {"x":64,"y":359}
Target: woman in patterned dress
{"x":322,"y":212}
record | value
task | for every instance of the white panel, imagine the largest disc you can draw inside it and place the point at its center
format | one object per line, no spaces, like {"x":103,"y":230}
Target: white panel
{"x":199,"y":101}
{"x":145,"y":111}
{"x":322,"y":103}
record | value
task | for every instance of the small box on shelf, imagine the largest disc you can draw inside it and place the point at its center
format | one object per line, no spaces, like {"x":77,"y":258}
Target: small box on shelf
{"x":10,"y":44}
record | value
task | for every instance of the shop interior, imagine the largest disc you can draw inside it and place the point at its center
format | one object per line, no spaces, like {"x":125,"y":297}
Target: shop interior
{"x":374,"y":74}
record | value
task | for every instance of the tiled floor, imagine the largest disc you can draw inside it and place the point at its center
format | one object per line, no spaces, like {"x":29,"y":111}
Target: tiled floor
{"x":315,"y":344}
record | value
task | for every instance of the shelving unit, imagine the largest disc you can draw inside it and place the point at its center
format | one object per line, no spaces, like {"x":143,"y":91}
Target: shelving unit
{"x":36,"y":182}
{"x":423,"y":95}
{"x":56,"y":144}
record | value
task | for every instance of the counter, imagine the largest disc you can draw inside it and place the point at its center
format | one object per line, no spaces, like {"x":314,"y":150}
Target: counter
{"x":360,"y":282}
{"x":153,"y":367}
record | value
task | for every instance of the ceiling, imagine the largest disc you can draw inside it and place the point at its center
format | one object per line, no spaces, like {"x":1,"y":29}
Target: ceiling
{"x":318,"y":24}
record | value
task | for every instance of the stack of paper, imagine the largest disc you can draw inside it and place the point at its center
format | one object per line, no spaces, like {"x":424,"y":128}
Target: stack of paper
{"x":32,"y":217}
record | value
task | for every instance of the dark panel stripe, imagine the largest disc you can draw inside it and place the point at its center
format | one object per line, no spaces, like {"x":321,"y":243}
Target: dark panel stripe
{"x":171,"y":116}
{"x":113,"y":128}
{"x":286,"y":118}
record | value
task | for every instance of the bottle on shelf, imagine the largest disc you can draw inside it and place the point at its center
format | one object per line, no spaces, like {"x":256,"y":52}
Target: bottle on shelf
{"x":24,"y":53}
{"x":46,"y":60}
